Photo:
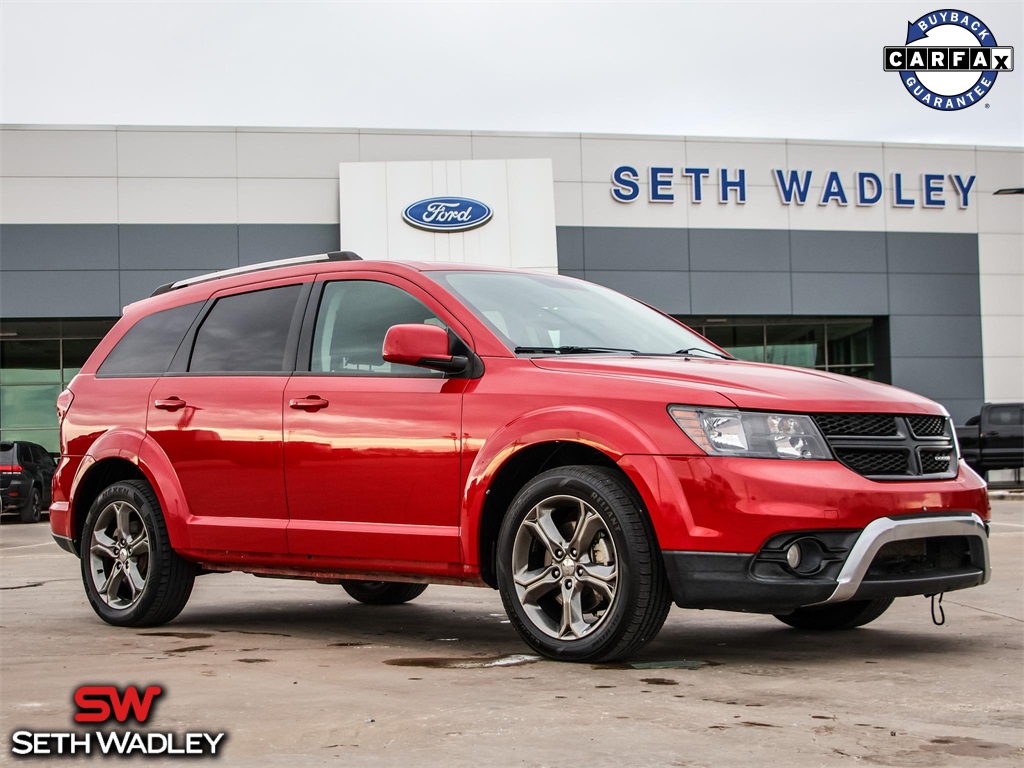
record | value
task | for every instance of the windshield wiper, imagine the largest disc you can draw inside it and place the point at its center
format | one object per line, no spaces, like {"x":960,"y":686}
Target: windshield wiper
{"x":570,"y":350}
{"x":691,"y":350}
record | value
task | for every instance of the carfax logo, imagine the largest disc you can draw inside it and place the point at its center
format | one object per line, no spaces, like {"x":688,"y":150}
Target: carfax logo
{"x":950,"y":60}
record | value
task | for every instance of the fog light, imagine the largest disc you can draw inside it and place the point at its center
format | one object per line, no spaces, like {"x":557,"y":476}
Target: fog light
{"x":794,"y":556}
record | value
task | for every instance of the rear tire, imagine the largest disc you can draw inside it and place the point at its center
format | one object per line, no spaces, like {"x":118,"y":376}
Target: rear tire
{"x":382,"y":592}
{"x":838,"y":617}
{"x":133,"y":578}
{"x":579,"y":568}
{"x":33,"y":511}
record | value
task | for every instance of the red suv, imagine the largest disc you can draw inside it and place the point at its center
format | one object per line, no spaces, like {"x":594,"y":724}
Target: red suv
{"x":385,"y":426}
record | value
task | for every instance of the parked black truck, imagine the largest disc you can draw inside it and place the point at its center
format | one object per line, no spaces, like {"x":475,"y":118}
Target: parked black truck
{"x":994,"y":439}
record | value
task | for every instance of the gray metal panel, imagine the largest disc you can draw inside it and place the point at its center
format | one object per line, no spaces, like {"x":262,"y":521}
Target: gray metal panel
{"x":940,"y":378}
{"x":267,"y":242}
{"x":930,"y":253}
{"x":934,"y":336}
{"x":668,"y":291}
{"x":205,"y":247}
{"x":631,"y":248}
{"x":64,"y":293}
{"x":738,"y":293}
{"x":140,"y":284}
{"x":833,"y":293}
{"x":570,"y":248}
{"x":577,"y":273}
{"x":925,"y":294}
{"x":816,"y":251}
{"x":58,"y":246}
{"x":743,"y":250}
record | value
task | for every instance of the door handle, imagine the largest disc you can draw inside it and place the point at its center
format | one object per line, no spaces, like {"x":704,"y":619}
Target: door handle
{"x":170,"y":404}
{"x":309,"y":404}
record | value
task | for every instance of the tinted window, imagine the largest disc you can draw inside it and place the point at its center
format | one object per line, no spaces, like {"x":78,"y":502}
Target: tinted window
{"x":1006,"y":414}
{"x":147,"y":348}
{"x":246,"y":332}
{"x":354,"y":317}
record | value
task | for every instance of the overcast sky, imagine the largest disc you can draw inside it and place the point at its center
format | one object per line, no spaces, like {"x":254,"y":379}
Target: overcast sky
{"x":757,"y":69}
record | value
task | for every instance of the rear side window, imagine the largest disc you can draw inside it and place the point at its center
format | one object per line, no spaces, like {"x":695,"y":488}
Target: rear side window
{"x":246,"y":332}
{"x":1006,"y":415}
{"x":150,"y":344}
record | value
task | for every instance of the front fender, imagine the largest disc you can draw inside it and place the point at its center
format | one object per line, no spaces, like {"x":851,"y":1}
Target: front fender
{"x":601,"y":430}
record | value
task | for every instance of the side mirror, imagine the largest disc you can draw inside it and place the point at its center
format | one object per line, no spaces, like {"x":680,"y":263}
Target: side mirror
{"x":425,"y":346}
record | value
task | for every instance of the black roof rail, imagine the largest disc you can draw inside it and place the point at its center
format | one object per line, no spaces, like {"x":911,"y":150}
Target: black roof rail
{"x":330,"y":256}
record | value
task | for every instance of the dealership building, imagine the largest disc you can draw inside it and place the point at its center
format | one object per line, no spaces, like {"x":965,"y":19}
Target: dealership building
{"x":899,"y":263}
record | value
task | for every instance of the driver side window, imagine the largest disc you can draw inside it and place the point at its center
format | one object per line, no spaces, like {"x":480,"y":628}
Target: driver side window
{"x":353,"y":318}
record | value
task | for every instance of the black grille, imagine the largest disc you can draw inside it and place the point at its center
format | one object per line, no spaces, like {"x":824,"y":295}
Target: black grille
{"x":936,"y":462}
{"x":928,"y":426}
{"x":884,"y":446}
{"x":875,"y":462}
{"x":873,"y":424}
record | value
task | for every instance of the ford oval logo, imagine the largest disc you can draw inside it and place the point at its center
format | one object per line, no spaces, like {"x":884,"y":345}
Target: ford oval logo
{"x":447,"y":214}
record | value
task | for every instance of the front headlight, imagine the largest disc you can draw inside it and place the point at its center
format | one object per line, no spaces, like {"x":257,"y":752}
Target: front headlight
{"x":754,"y":435}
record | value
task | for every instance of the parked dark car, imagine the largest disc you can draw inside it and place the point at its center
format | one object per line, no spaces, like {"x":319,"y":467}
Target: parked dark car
{"x":994,"y":439}
{"x":26,"y":474}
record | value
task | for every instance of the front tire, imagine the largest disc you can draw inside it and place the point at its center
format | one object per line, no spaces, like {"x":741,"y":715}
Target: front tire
{"x":579,"y":569}
{"x":33,"y":511}
{"x":133,"y":578}
{"x":382,"y":592}
{"x":838,"y":617}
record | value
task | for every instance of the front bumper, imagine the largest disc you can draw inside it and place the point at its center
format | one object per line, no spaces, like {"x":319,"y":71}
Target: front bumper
{"x":890,"y":557}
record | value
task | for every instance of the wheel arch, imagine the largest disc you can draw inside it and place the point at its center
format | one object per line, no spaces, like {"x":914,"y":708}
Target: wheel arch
{"x":90,"y":484}
{"x":516,"y":472}
{"x":528,"y":445}
{"x":129,"y":456}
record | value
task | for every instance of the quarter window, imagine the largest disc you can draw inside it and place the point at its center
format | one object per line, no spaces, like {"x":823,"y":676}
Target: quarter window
{"x":246,"y":332}
{"x":353,"y":319}
{"x":150,"y":344}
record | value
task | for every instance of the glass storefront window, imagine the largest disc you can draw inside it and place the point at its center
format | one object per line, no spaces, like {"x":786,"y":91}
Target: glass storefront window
{"x":75,"y":353}
{"x":850,"y":344}
{"x":799,"y":345}
{"x":840,"y":345}
{"x":29,"y":361}
{"x":743,"y":341}
{"x":48,"y":438}
{"x":38,"y":358}
{"x":29,"y":406}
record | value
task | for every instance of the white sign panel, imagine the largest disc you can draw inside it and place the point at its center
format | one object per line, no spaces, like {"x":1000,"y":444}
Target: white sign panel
{"x":494,"y":212}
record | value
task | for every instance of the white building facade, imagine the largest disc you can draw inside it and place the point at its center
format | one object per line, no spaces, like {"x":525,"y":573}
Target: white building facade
{"x":894,"y":262}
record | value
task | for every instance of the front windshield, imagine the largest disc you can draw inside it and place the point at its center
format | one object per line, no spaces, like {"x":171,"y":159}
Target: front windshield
{"x":547,"y":314}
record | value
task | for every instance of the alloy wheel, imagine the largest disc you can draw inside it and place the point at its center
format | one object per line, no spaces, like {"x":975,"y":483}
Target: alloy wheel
{"x":564,"y":567}
{"x":119,"y":555}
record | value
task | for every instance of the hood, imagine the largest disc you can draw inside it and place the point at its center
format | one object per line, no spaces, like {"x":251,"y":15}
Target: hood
{"x":754,"y":386}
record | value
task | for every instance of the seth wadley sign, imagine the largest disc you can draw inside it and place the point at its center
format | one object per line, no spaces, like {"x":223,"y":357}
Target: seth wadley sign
{"x":794,"y":187}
